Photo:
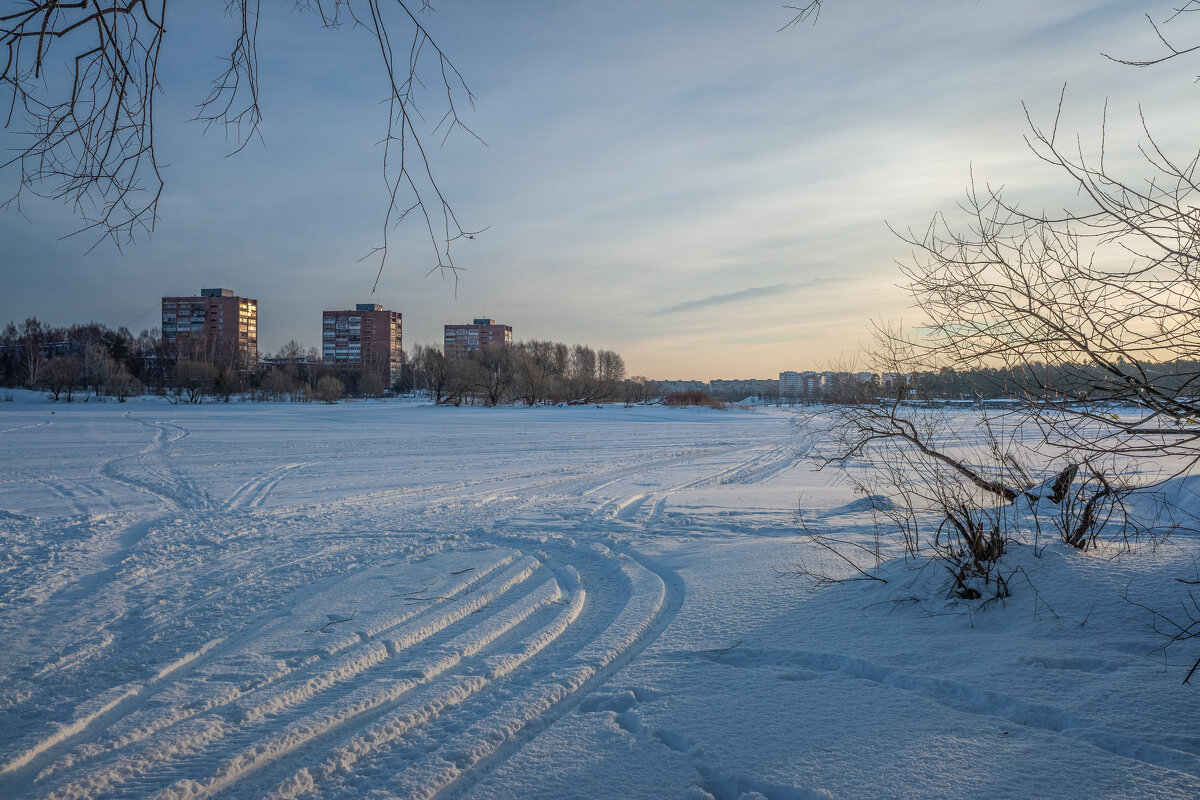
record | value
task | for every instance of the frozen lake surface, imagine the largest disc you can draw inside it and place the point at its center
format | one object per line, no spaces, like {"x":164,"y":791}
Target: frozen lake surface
{"x":395,"y":600}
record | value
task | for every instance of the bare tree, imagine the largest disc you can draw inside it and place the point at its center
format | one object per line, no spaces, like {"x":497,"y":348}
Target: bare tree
{"x":540,"y":369}
{"x":440,"y":374}
{"x":1107,"y":292}
{"x":30,"y":337}
{"x":82,"y":79}
{"x":121,"y":384}
{"x":194,"y":380}
{"x":59,"y":375}
{"x":97,"y":367}
{"x":329,"y":389}
{"x":495,"y":372}
{"x":277,"y":384}
{"x":532,"y":379}
{"x":370,"y":383}
{"x":639,"y":389}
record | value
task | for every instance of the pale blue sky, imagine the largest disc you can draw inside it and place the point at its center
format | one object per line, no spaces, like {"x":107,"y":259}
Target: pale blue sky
{"x":674,"y":180}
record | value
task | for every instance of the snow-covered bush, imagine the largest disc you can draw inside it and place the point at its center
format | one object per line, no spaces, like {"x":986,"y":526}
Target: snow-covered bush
{"x":957,"y":488}
{"x":329,"y":389}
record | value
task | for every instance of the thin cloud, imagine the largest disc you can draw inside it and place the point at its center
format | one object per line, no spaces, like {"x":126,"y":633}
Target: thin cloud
{"x":724,"y":299}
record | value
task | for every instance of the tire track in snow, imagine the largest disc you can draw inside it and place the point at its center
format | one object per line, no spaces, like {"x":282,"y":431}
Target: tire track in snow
{"x":644,"y":509}
{"x":657,"y":594}
{"x":473,"y":674}
{"x":340,"y":671}
{"x":75,"y":494}
{"x":151,"y":470}
{"x":135,"y":726}
{"x":437,"y":681}
{"x":541,"y":481}
{"x":477,"y":699}
{"x":254,"y":492}
{"x":41,"y":424}
{"x":366,"y":685}
{"x":104,"y":704}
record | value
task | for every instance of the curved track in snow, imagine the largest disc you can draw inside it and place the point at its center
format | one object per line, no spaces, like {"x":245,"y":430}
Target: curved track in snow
{"x":419,"y":667}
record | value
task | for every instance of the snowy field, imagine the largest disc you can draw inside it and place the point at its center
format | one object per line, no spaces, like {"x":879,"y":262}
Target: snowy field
{"x":394,"y":600}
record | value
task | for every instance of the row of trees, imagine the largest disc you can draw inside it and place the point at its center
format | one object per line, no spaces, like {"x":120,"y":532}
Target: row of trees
{"x":1034,"y":381}
{"x":89,"y":357}
{"x":94,"y":359}
{"x":533,"y":373}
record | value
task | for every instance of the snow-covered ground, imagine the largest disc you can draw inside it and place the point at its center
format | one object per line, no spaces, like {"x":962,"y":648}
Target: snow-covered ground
{"x":395,"y":600}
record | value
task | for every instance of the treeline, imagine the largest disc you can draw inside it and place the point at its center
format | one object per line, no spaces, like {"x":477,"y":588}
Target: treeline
{"x":94,"y":360}
{"x":531,"y":373}
{"x":1040,"y":381}
{"x":89,"y":357}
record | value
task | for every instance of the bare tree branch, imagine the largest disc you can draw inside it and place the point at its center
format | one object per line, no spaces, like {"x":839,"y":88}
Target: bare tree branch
{"x":82,"y":78}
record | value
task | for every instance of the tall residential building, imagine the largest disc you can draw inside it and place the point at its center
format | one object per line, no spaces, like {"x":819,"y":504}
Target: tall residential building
{"x":790,"y":383}
{"x":369,"y":337}
{"x":462,"y":339}
{"x":804,"y":384}
{"x":217,"y":326}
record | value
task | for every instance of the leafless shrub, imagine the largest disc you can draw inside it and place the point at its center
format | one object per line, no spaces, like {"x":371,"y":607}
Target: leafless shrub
{"x":1176,"y":627}
{"x":59,"y":375}
{"x":958,"y":488}
{"x":194,"y":380}
{"x":693,"y":398}
{"x":330,"y":389}
{"x":851,"y":560}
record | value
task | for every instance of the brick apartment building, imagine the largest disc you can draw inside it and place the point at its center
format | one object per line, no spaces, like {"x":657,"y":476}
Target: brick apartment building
{"x":216,"y":326}
{"x":462,"y":339}
{"x":368,"y":337}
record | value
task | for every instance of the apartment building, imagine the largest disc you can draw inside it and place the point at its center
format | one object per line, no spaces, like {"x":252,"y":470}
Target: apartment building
{"x":791,"y":383}
{"x":673,"y":386}
{"x":216,"y":326}
{"x":369,"y":337}
{"x":742,"y":387}
{"x":461,"y":339}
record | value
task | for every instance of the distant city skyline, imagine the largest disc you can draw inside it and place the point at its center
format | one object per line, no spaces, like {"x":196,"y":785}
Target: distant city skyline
{"x":679,"y":182}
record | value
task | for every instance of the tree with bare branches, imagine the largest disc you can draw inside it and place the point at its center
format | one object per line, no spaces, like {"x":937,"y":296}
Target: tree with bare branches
{"x":82,"y":80}
{"x":1088,"y":315}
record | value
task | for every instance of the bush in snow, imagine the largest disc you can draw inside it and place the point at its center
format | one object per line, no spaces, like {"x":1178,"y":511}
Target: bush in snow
{"x":958,"y":488}
{"x":329,"y":389}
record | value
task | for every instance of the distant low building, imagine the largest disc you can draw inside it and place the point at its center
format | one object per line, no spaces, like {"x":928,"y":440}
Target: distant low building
{"x":215,"y":326}
{"x":673,"y":386}
{"x":744,"y":387}
{"x":369,"y":337}
{"x":462,"y":338}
